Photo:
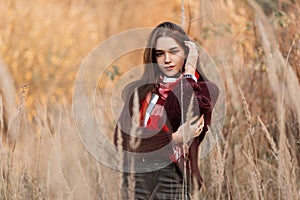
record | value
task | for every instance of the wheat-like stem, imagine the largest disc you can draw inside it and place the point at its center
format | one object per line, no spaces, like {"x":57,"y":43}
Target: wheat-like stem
{"x":1,"y":120}
{"x":185,"y":145}
{"x":220,"y":169}
{"x":102,"y":185}
{"x":131,"y":180}
{"x":256,"y":182}
{"x":269,"y":138}
{"x":286,"y":169}
{"x":13,"y":136}
{"x":247,"y":112}
{"x":182,"y":14}
{"x":135,"y":140}
{"x":250,"y":129}
{"x":121,"y":161}
{"x":38,"y":172}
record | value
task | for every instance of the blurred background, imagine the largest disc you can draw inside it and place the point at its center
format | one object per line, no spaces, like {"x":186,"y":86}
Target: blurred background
{"x":255,"y":45}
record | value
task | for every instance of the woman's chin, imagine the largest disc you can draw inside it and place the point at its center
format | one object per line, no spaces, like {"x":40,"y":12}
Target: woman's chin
{"x":171,"y":74}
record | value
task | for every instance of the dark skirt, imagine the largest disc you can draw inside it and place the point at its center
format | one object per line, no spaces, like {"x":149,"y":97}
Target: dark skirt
{"x":165,"y":183}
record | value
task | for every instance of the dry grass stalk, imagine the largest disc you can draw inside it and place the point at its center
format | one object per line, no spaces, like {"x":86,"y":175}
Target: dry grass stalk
{"x":101,"y":192}
{"x":287,"y":165}
{"x":14,"y":133}
{"x":269,"y":138}
{"x":223,"y":167}
{"x":121,"y":161}
{"x":189,"y":115}
{"x":286,"y":67}
{"x":38,"y":161}
{"x":256,"y":180}
{"x":247,"y":113}
{"x":131,"y":180}
{"x":236,"y":185}
{"x":213,"y":167}
{"x":220,"y":163}
{"x":134,"y":142}
{"x":250,"y":129}
{"x":8,"y":93}
{"x":217,"y":161}
{"x":182,"y":14}
{"x":1,"y":120}
{"x":134,"y":131}
{"x":186,"y":141}
{"x":230,"y":82}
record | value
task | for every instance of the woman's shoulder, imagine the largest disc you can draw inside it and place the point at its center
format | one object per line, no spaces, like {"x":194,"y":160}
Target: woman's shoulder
{"x":204,"y":86}
{"x":209,"y":88}
{"x":140,"y":87}
{"x":206,"y":89}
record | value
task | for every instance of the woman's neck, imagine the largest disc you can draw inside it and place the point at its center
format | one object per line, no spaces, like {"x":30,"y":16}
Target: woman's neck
{"x":170,"y":79}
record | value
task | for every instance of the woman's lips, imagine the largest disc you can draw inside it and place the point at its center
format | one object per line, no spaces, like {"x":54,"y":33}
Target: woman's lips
{"x":169,"y":68}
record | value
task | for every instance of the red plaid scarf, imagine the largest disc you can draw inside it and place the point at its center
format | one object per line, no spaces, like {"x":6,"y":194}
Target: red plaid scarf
{"x":156,"y":119}
{"x":164,"y":86}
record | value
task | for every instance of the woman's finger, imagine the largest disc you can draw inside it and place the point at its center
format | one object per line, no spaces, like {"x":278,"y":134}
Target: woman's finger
{"x":200,"y":122}
{"x":194,"y":119}
{"x":198,"y":131}
{"x":190,"y":43}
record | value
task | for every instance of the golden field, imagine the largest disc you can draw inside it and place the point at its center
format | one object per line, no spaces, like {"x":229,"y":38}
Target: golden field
{"x":255,"y":45}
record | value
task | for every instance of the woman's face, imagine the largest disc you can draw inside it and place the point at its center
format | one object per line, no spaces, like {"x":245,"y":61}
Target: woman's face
{"x":169,"y":56}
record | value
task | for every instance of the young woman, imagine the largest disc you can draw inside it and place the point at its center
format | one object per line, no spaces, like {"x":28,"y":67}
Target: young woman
{"x":171,"y":87}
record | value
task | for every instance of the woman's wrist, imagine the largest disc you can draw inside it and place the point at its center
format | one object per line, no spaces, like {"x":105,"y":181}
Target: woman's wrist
{"x":192,"y":76}
{"x":176,"y":138}
{"x":189,"y":70}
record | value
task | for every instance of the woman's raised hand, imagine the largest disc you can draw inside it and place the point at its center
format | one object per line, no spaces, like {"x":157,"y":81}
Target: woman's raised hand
{"x":189,"y":130}
{"x":192,"y":58}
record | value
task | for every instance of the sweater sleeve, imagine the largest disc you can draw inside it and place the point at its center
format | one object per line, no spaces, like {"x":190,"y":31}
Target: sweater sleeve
{"x":202,"y":96}
{"x":207,"y":94}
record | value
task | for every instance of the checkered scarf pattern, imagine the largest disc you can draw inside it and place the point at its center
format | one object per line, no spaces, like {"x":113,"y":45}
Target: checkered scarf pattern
{"x":156,"y":120}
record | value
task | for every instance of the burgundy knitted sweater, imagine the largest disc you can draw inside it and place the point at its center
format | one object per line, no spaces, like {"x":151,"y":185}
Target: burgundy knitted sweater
{"x":204,"y":96}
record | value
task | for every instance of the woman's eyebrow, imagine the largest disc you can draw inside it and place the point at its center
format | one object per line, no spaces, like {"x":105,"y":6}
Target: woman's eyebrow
{"x":171,"y":49}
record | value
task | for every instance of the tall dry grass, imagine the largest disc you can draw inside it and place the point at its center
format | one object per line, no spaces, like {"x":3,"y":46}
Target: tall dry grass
{"x":254,"y":44}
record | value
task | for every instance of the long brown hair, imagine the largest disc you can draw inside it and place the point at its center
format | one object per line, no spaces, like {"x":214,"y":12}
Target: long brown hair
{"x":152,"y":72}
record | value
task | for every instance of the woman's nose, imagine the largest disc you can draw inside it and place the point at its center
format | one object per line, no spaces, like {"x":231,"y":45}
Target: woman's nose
{"x":167,"y":58}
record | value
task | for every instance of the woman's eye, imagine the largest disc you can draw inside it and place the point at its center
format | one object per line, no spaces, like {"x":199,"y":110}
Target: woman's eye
{"x":158,"y":54}
{"x":174,"y":51}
